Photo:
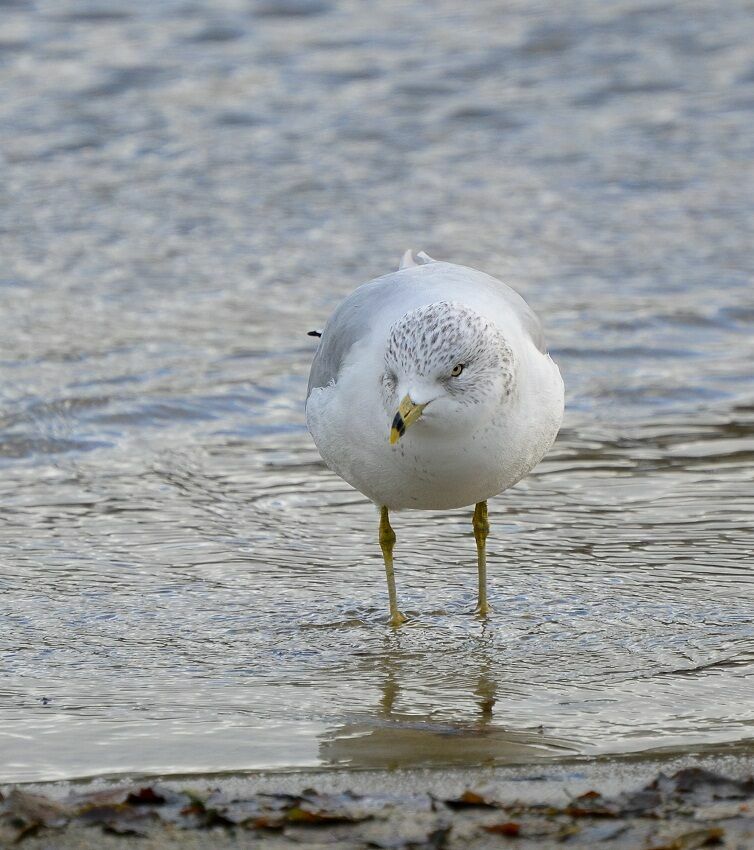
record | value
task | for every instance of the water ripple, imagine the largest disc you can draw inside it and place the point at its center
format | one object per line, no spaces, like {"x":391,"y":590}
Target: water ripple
{"x":185,"y":586}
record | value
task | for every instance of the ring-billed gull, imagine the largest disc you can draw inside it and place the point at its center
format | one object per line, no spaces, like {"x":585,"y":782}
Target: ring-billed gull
{"x":432,"y":388}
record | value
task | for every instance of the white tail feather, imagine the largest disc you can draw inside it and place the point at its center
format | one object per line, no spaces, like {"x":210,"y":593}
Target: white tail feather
{"x":408,"y":261}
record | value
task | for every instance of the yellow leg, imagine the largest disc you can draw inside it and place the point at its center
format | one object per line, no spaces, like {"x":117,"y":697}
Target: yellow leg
{"x":387,"y":541}
{"x":481,"y":530}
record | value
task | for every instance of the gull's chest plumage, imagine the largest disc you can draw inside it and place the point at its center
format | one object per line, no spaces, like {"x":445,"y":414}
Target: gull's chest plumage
{"x":426,"y":469}
{"x":431,"y":473}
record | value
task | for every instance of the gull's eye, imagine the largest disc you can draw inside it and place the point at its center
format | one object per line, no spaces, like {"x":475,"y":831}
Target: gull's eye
{"x":456,"y":370}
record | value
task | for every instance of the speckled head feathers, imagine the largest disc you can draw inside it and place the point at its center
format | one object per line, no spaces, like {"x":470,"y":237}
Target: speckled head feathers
{"x":429,"y":341}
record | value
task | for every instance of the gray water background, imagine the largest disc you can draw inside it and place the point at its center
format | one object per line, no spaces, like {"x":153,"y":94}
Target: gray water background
{"x":189,"y":187}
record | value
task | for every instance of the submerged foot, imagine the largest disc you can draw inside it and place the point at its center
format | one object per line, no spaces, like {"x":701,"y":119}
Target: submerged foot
{"x":397,"y":619}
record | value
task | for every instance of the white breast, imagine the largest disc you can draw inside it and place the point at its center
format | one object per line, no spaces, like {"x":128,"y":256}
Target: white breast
{"x":351,"y":431}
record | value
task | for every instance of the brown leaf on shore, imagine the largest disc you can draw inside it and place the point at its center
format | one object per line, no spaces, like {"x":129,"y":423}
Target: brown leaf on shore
{"x":119,"y":819}
{"x":689,"y":788}
{"x":145,"y":797}
{"x":268,"y":821}
{"x":709,"y":837}
{"x":78,"y":803}
{"x":704,"y":783}
{"x":316,"y":808}
{"x":470,"y":799}
{"x":34,"y":807}
{"x":509,"y":828}
{"x":201,"y":814}
{"x":568,"y":830}
{"x":22,"y":814}
{"x":645,"y":802}
{"x":297,"y":814}
{"x":592,"y":804}
{"x":274,"y":811}
{"x":306,"y":813}
{"x":280,"y":801}
{"x":438,"y":838}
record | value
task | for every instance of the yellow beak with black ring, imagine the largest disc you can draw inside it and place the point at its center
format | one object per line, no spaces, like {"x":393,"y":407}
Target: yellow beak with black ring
{"x":407,"y":414}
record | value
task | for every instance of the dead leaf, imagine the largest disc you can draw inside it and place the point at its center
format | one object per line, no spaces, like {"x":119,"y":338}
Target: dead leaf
{"x":273,"y":821}
{"x":591,"y":804}
{"x":119,"y":819}
{"x":145,"y":797}
{"x":694,"y":839}
{"x":200,"y":814}
{"x":568,"y":830}
{"x":281,"y":801}
{"x":437,"y":839}
{"x":468,"y":799}
{"x":35,"y":807}
{"x":24,"y":813}
{"x":509,"y":828}
{"x":308,"y":813}
{"x":644,"y":802}
{"x":697,"y":780}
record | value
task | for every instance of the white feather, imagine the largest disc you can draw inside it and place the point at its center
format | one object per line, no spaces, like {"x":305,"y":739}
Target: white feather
{"x":346,"y":414}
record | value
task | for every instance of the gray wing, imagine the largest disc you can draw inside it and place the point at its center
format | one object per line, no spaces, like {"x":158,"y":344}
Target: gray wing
{"x":530,"y":322}
{"x":350,"y":322}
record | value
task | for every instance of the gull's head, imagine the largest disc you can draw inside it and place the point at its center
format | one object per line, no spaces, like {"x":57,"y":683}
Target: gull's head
{"x":446,"y":367}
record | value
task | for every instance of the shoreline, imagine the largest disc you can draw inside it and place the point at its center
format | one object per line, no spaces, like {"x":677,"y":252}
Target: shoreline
{"x":676,"y":801}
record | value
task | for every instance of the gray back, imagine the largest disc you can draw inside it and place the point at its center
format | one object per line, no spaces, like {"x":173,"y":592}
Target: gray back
{"x":387,"y":298}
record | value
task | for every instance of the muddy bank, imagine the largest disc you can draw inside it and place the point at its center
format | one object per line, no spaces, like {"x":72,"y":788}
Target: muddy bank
{"x":669,"y":805}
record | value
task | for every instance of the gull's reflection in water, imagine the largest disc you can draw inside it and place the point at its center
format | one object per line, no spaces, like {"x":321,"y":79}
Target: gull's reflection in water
{"x":407,"y":738}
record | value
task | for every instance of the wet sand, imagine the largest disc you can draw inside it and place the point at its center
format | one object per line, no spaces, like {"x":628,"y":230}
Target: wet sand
{"x":662,"y":803}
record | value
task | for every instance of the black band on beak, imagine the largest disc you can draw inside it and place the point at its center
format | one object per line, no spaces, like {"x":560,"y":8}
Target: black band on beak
{"x":399,"y":424}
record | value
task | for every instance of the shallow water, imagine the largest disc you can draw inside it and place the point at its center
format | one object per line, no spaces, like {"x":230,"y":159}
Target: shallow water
{"x":187,"y":189}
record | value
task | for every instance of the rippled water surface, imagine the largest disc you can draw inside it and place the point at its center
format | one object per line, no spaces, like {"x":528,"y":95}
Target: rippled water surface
{"x":187,"y":188}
